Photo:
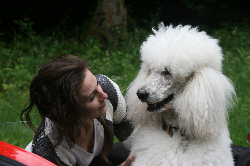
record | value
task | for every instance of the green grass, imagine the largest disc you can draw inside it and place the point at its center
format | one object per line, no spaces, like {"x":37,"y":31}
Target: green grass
{"x":119,"y":60}
{"x":236,"y":45}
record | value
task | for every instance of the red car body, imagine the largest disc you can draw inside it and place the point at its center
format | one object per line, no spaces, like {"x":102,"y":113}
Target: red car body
{"x":13,"y":155}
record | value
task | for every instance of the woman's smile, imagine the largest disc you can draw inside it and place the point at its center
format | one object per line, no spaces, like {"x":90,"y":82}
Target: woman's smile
{"x":104,"y":104}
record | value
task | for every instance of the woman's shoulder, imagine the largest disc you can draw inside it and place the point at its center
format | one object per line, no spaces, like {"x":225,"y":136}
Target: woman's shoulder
{"x":106,"y":82}
{"x":43,"y":146}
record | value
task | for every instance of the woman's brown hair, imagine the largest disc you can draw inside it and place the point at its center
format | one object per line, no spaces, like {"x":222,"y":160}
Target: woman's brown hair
{"x":54,"y":91}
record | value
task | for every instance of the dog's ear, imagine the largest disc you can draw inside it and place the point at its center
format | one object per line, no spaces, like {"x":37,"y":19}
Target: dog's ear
{"x":202,"y":106}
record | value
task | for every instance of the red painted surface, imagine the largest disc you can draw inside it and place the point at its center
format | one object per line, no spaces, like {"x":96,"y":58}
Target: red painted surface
{"x":22,"y":155}
{"x":248,"y":138}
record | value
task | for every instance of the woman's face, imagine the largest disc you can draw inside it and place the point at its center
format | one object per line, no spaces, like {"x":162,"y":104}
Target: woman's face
{"x":93,"y":99}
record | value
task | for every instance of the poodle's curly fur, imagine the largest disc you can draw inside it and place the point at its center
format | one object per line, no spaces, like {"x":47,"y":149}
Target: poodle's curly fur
{"x":181,"y":83}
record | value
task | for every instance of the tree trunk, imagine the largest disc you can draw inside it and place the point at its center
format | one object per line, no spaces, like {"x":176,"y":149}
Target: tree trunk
{"x":110,"y":19}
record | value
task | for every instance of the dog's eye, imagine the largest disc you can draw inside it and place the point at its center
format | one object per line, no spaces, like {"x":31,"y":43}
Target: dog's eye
{"x":165,"y":72}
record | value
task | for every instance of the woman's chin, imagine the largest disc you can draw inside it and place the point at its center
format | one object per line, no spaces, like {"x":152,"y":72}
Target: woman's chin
{"x":103,"y":110}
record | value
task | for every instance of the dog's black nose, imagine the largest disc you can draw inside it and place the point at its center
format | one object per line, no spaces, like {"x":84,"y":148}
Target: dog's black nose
{"x":142,"y":94}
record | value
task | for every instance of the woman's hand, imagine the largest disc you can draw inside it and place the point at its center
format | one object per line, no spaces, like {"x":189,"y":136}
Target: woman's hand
{"x":129,"y":161}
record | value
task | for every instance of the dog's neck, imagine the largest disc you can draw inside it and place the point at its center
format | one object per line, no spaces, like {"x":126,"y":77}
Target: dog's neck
{"x":170,"y":129}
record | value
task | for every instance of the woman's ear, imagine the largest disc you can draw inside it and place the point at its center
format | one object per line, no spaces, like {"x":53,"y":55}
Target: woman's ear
{"x":202,"y":106}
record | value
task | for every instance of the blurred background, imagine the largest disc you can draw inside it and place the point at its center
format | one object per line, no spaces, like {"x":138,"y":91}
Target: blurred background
{"x":108,"y":33}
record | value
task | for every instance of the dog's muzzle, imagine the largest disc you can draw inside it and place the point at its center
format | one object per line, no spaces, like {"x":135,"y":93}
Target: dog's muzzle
{"x":143,"y":96}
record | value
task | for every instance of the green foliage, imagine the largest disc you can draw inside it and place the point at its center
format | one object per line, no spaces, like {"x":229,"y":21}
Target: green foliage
{"x":119,"y":60}
{"x":236,"y":45}
{"x":25,"y":27}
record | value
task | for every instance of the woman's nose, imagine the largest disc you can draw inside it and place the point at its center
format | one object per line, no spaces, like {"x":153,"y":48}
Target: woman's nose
{"x":103,"y":94}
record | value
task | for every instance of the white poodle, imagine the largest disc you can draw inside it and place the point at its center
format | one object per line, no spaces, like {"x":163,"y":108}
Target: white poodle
{"x":178,"y":102}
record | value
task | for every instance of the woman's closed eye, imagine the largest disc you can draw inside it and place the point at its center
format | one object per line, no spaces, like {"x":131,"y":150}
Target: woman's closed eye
{"x":92,"y":97}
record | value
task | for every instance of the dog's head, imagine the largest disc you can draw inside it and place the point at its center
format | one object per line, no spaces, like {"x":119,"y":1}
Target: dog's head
{"x":170,"y":58}
{"x":181,"y":70}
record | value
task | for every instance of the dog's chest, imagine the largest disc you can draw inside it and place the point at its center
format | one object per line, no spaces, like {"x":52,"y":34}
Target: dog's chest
{"x":151,"y":146}
{"x":154,"y":146}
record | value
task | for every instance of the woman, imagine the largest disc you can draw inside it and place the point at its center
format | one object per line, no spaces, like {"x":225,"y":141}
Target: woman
{"x":79,"y":113}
